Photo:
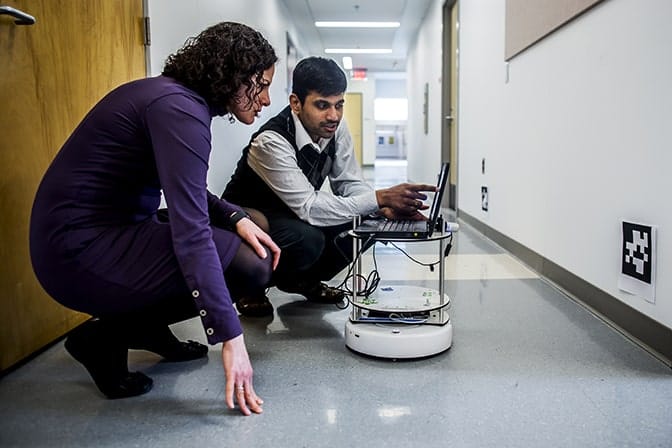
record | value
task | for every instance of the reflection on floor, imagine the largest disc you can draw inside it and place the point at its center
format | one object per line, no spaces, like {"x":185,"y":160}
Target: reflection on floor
{"x":528,"y":368}
{"x":457,"y":267}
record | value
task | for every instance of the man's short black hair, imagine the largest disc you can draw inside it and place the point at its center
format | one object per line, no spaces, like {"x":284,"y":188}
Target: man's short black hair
{"x":316,"y":74}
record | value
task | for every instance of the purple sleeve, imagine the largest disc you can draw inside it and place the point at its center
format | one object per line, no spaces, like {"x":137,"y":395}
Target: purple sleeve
{"x":220,"y":210}
{"x":179,"y":128}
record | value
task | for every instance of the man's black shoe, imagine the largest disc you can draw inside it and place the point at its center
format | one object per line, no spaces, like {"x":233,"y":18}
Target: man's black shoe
{"x":254,"y":306}
{"x":316,"y":292}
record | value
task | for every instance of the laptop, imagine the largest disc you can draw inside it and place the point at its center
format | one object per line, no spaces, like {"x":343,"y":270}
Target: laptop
{"x":407,"y":229}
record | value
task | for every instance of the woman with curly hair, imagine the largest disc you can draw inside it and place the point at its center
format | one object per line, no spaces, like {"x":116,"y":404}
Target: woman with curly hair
{"x":98,"y":245}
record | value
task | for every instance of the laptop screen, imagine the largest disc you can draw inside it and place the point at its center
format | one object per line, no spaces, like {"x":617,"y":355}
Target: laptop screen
{"x":435,"y":209}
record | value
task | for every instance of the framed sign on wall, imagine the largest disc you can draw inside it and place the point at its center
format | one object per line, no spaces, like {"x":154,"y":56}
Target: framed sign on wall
{"x":529,"y":21}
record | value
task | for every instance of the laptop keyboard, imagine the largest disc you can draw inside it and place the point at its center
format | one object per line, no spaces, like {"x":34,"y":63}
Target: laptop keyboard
{"x":397,"y":225}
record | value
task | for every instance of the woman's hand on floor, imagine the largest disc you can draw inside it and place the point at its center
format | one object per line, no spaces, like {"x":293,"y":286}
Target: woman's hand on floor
{"x":238,"y":371}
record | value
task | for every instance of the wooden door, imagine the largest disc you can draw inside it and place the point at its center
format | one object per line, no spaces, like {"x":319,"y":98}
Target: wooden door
{"x":352,"y":112}
{"x":51,"y":73}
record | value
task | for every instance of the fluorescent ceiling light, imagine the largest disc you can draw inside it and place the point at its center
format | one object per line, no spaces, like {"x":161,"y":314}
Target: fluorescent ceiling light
{"x":347,"y":62}
{"x":359,"y":50}
{"x":357,"y":24}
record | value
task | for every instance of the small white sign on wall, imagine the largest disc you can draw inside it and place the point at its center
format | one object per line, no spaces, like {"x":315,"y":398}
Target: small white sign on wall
{"x":638,"y":260}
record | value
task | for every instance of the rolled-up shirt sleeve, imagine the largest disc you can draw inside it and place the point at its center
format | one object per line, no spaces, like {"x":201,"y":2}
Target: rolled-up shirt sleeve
{"x":273,"y":159}
{"x":179,"y":127}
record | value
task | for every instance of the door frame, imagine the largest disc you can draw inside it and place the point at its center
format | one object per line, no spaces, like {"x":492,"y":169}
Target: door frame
{"x":449,"y":97}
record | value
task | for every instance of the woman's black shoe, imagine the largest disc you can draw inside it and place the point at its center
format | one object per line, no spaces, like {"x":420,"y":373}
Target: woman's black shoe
{"x":104,"y":355}
{"x":162,"y":341}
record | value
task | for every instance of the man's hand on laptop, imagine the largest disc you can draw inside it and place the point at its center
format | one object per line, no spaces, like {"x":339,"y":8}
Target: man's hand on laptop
{"x":389,"y":213}
{"x":404,"y":199}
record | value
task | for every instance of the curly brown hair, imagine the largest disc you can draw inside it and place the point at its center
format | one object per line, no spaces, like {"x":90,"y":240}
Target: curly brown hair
{"x":220,"y":60}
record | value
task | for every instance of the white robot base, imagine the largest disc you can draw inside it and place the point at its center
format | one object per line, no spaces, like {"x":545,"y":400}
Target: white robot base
{"x":398,"y":341}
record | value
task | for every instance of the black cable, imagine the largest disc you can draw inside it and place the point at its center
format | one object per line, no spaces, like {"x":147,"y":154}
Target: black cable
{"x":429,"y":265}
{"x":372,"y":280}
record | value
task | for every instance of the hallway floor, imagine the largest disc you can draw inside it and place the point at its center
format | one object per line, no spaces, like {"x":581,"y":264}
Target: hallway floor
{"x":528,"y":368}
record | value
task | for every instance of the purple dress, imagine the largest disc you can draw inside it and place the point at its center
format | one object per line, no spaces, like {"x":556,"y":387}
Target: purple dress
{"x":96,"y":243}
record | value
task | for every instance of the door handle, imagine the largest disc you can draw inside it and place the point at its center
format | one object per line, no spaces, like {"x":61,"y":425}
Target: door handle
{"x":449,"y":117}
{"x":21,"y":17}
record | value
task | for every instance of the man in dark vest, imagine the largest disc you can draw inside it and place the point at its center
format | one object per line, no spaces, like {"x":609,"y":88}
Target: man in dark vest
{"x":281,"y":173}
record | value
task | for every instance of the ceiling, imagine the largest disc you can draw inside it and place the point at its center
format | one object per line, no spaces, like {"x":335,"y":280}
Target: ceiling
{"x":314,"y":40}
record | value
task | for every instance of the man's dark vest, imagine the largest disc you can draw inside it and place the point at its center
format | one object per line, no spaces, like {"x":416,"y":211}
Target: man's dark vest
{"x":248,"y":190}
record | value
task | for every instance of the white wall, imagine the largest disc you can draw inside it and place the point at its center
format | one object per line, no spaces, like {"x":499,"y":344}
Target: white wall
{"x":389,"y":87}
{"x":173,"y":21}
{"x":578,"y":138}
{"x":424,"y":67}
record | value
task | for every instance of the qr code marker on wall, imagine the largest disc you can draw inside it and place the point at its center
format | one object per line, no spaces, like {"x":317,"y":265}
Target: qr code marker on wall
{"x":637,"y":251}
{"x":638,"y":260}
